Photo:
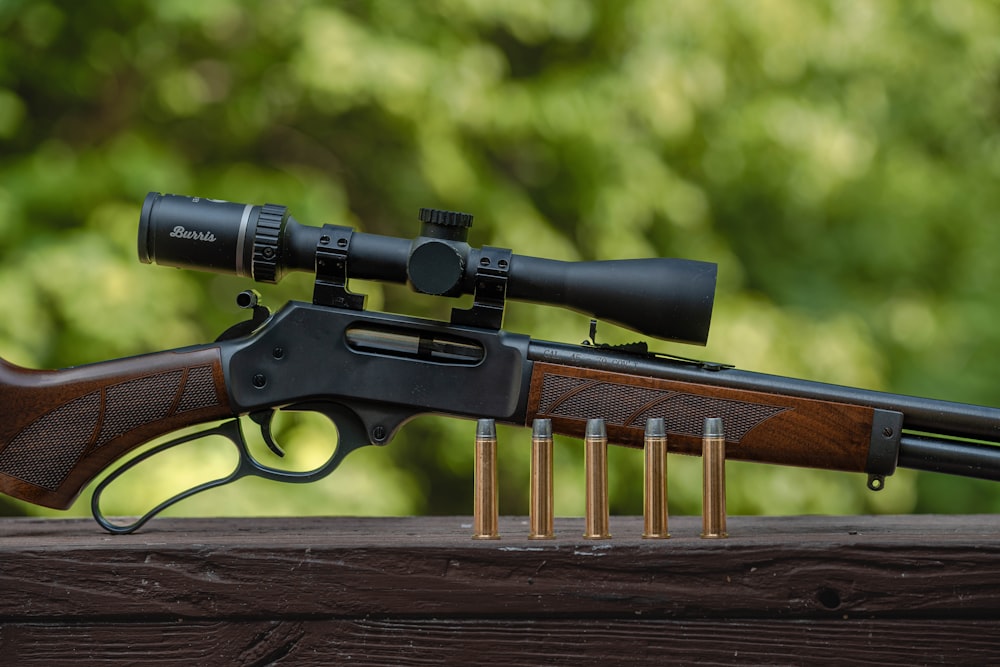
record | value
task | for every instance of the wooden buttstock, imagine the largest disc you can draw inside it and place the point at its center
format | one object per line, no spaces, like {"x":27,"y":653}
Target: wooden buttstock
{"x":758,"y":426}
{"x":58,"y":429}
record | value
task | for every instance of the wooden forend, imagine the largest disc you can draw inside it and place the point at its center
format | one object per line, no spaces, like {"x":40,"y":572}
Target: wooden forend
{"x":404,"y":591}
{"x":771,"y":428}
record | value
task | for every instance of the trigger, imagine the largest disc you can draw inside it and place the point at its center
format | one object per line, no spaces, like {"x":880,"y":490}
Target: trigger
{"x":263,"y":419}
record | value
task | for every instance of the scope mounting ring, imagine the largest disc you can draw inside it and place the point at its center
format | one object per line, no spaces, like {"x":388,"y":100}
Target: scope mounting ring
{"x":332,"y":251}
{"x":491,"y":291}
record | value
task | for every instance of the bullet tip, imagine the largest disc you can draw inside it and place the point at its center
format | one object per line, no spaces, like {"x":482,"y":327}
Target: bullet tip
{"x":541,"y":428}
{"x":656,"y":427}
{"x":596,"y":429}
{"x":486,"y":428}
{"x":713,"y":427}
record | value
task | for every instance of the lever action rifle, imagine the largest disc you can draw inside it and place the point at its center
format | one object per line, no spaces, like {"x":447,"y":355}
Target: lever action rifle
{"x":369,"y":372}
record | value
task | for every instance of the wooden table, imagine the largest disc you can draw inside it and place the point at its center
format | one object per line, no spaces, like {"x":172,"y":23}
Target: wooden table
{"x":889,"y":590}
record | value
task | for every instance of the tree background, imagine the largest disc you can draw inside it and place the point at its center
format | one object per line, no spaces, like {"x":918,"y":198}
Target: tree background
{"x":837,"y":159}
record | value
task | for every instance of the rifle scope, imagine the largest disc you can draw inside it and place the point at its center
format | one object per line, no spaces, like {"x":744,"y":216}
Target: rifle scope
{"x":667,"y":298}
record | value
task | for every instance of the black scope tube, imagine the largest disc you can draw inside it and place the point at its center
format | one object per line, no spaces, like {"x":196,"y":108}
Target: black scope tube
{"x":662,"y":297}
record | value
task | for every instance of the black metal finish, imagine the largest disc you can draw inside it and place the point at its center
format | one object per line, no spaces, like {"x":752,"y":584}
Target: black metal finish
{"x":218,"y":238}
{"x":439,"y":224}
{"x":954,"y":457}
{"x":492,"y":271}
{"x":248,"y":300}
{"x":351,"y":436}
{"x":267,"y":241}
{"x":887,"y":427}
{"x":318,"y":361}
{"x":666,"y":298}
{"x":332,"y":255}
{"x":437,"y":267}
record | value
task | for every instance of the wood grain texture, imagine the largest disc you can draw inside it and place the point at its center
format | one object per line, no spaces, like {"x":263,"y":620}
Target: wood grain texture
{"x":58,"y":429}
{"x":520,"y":643}
{"x":408,"y":591}
{"x":758,"y":426}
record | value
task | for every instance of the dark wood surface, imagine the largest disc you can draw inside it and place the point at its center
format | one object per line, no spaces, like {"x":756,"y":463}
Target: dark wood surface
{"x":904,"y":590}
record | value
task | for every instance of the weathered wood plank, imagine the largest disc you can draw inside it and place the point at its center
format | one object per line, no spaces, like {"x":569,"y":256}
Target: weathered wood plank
{"x":578,"y":642}
{"x":347,"y":568}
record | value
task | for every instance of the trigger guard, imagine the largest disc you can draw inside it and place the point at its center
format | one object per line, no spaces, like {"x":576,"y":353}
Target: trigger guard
{"x":351,"y":435}
{"x":352,"y":427}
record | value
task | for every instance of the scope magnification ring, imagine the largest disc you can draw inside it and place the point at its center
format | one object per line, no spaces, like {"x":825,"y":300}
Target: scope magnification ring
{"x":266,"y":241}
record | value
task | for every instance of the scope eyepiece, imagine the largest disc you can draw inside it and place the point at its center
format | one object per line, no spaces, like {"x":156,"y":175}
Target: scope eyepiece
{"x":213,"y":235}
{"x":666,"y":298}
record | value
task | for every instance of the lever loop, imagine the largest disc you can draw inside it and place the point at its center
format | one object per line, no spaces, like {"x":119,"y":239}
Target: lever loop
{"x":351,"y":436}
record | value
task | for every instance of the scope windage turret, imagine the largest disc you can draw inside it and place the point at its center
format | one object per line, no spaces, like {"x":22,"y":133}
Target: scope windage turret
{"x":667,"y":298}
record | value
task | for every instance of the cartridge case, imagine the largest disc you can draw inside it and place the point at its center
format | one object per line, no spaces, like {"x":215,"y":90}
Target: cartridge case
{"x":541,"y":508}
{"x":654,"y":489}
{"x":485,"y":505}
{"x":713,"y":494}
{"x":596,"y":470}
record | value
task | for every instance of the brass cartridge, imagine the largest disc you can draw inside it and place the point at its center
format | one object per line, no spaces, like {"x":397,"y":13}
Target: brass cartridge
{"x":654,"y":490}
{"x":485,"y":506}
{"x":596,"y":465}
{"x":713,"y":495}
{"x":542,"y":496}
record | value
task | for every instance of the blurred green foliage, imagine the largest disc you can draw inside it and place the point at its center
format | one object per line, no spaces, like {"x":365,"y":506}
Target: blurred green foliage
{"x":838,"y":159}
